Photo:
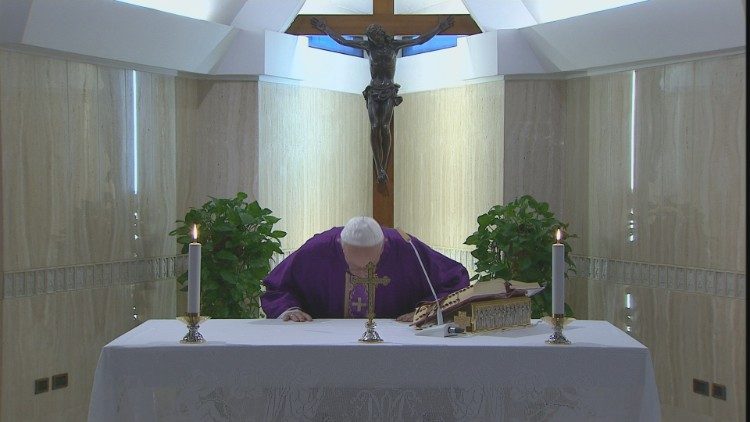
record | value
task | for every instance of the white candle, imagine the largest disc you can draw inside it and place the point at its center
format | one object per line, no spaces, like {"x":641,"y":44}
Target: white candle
{"x":194,"y":274}
{"x":558,"y":276}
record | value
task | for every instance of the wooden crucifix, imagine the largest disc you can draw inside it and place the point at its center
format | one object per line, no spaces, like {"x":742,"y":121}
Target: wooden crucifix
{"x":381,"y":95}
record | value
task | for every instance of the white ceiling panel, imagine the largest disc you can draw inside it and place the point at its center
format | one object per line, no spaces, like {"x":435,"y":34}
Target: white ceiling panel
{"x":501,"y":14}
{"x":122,"y":32}
{"x":270,"y":15}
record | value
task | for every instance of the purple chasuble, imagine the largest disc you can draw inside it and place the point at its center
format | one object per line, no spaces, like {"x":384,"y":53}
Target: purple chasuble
{"x":313,"y":278}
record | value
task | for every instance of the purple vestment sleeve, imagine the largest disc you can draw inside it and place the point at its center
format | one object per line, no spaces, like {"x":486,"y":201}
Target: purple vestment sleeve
{"x":446,"y":275}
{"x":279,"y":284}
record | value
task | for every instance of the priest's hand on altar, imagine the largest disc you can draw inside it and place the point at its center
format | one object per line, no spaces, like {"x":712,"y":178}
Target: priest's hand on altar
{"x":406,"y":317}
{"x":295,"y":315}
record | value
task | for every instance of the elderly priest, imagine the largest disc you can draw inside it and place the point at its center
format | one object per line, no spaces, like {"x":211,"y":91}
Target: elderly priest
{"x":315,"y":280}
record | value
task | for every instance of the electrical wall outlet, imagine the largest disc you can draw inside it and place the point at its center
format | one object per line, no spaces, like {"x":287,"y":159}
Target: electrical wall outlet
{"x":700,"y":387}
{"x":41,"y":385}
{"x":718,"y":391}
{"x":59,"y":381}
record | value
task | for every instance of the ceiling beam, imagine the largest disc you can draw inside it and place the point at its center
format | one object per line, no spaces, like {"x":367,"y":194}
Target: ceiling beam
{"x":393,"y":24}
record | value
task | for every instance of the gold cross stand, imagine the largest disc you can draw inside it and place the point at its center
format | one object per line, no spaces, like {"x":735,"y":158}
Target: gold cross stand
{"x":372,"y":281}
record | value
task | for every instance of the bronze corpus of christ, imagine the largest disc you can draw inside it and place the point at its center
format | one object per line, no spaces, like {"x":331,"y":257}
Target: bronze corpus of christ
{"x":381,"y":95}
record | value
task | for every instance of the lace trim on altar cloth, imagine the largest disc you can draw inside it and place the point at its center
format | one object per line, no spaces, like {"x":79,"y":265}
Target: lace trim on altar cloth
{"x":372,"y":404}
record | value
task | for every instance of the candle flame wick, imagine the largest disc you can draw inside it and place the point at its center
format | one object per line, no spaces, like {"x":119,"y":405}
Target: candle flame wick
{"x":558,"y":235}
{"x":195,"y":232}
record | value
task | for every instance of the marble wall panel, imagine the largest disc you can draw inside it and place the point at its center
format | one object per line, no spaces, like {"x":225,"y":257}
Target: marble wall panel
{"x":717,"y":165}
{"x":650,"y":317}
{"x":314,"y":159}
{"x":72,"y":327}
{"x":575,"y":163}
{"x":85,"y":149}
{"x":577,"y":296}
{"x":688,"y":200}
{"x":217,"y":140}
{"x":692,"y":353}
{"x":37,"y":162}
{"x":113,"y":215}
{"x":156,"y":194}
{"x":448,"y":161}
{"x":729,"y":342}
{"x":533,"y":141}
{"x":689,"y":139}
{"x":663,"y":139}
{"x":68,"y":171}
{"x":609,"y":193}
{"x":606,"y":302}
{"x":69,"y":167}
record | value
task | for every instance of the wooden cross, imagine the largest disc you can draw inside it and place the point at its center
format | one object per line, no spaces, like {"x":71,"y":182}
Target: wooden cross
{"x":372,"y":281}
{"x":383,"y":14}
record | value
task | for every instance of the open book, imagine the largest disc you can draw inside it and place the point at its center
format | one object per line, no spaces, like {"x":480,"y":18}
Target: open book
{"x":484,"y":290}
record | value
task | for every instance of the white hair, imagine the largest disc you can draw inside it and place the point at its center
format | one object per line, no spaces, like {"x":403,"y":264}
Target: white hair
{"x":362,"y":231}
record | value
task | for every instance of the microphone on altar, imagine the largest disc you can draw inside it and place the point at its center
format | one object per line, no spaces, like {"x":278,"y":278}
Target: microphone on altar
{"x":441,"y":329}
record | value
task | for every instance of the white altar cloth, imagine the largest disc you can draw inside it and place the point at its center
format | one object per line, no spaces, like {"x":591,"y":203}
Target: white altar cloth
{"x":268,"y":370}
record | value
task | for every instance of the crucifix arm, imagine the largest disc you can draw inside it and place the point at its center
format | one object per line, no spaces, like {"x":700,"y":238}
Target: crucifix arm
{"x":442,"y":26}
{"x":323,"y":27}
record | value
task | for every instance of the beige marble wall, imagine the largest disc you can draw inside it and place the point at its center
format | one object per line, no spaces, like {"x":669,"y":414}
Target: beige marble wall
{"x":533,"y":156}
{"x":575,"y":164}
{"x":689,"y":204}
{"x":314,"y":159}
{"x":689,"y":193}
{"x":609,"y":165}
{"x":217,"y":140}
{"x":68,"y":175}
{"x":156,"y":165}
{"x":68,"y":163}
{"x":448,"y":161}
{"x":37,"y":162}
{"x":64,"y":333}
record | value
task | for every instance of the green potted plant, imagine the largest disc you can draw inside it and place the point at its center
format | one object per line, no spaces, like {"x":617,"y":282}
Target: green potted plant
{"x":238,"y":242}
{"x":514,"y":242}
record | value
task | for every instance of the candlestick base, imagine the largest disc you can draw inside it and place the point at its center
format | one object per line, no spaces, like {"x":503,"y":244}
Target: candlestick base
{"x":557,"y":336}
{"x":370,"y":335}
{"x":193,"y":320}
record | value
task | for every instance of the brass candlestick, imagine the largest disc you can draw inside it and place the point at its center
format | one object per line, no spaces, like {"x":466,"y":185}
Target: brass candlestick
{"x":193,"y":320}
{"x":557,"y":321}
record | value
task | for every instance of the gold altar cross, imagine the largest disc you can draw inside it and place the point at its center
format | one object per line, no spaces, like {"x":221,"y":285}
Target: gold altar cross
{"x":372,"y":281}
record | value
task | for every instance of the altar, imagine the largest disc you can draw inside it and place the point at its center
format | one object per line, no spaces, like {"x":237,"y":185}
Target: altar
{"x":268,"y":370}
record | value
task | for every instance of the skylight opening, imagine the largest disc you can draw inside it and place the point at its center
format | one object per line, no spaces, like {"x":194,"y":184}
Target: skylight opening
{"x":438,"y":42}
{"x":324,"y":42}
{"x":196,"y":9}
{"x":554,"y":10}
